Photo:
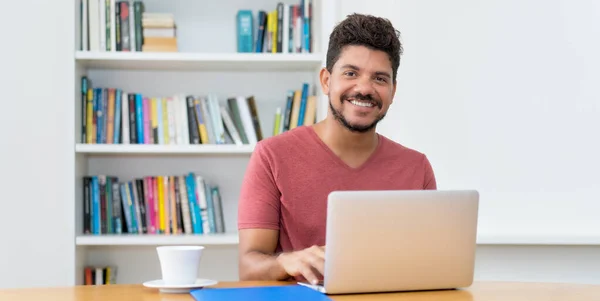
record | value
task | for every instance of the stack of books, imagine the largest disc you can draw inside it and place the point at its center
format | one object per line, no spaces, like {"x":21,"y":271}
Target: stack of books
{"x":187,"y":203}
{"x":285,"y":28}
{"x":159,"y":32}
{"x":112,"y":115}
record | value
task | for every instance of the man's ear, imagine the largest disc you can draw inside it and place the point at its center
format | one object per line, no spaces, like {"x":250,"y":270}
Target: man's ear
{"x":324,"y":77}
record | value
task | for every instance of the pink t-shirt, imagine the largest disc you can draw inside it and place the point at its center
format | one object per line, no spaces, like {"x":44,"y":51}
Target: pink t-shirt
{"x":289,"y":176}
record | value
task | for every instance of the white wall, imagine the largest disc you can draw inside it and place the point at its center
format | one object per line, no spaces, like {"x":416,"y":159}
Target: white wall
{"x":36,"y":232}
{"x":502,"y":96}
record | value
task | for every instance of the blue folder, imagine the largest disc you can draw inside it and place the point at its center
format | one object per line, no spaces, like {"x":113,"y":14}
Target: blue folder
{"x":260,"y":293}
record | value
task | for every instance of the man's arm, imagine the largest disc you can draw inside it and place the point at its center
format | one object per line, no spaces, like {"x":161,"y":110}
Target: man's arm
{"x":257,"y":258}
{"x":258,"y":228}
{"x":258,"y":220}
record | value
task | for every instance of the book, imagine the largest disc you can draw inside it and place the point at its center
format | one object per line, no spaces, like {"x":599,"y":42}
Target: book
{"x":245,"y":31}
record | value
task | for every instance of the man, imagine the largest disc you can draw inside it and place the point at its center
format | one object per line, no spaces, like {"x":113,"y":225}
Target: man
{"x":283,"y":202}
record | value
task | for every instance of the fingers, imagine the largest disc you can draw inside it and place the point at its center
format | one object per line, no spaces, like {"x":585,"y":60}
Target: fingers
{"x":308,"y":274}
{"x":315,"y":261}
{"x":312,"y":264}
{"x":308,"y":263}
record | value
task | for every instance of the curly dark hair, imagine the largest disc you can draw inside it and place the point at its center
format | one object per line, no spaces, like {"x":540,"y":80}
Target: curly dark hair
{"x":365,"y":30}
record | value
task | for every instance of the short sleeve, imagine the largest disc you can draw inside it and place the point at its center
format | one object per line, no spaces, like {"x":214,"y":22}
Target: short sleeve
{"x":259,"y":202}
{"x":429,"y":182}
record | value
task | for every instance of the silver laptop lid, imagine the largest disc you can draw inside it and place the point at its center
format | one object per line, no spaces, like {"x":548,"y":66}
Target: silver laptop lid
{"x":380,"y":241}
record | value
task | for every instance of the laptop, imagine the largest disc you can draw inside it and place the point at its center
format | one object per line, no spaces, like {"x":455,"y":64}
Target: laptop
{"x":409,"y":240}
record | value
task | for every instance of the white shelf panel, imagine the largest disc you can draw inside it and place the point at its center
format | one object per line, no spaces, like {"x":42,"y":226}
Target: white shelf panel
{"x":200,"y":61}
{"x":156,"y":239}
{"x":163,"y":149}
{"x":232,"y":239}
{"x":538,"y":240}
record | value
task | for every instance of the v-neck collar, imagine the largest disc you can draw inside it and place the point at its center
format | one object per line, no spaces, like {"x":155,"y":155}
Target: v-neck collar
{"x":341,"y":162}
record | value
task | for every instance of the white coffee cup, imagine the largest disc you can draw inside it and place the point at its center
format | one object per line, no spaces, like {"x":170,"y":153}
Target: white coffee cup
{"x":179,"y":264}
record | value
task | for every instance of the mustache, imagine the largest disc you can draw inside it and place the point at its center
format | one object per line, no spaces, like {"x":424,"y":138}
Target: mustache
{"x":362,"y":97}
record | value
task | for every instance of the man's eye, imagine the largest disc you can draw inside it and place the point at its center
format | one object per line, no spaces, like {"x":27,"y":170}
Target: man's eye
{"x":350,"y":73}
{"x":380,"y":79}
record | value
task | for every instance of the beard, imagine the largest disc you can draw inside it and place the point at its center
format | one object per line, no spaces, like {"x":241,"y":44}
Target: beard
{"x":356,"y":128}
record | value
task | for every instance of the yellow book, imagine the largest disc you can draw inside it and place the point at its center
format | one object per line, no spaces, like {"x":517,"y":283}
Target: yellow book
{"x":156,"y":205}
{"x":91,"y":128}
{"x":269,"y":31}
{"x":167,"y":204}
{"x":173,"y":205}
{"x":274,"y":33}
{"x":277,"y":122}
{"x":161,"y":204}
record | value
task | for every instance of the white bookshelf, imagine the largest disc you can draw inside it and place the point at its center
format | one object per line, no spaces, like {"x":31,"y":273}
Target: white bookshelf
{"x":156,"y":240}
{"x":200,"y":61}
{"x":207,"y":62}
{"x":133,"y":149}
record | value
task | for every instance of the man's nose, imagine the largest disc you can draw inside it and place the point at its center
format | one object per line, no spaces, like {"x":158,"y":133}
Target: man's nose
{"x":364,"y":85}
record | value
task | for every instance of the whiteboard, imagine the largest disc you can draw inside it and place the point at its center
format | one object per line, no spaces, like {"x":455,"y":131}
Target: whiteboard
{"x":503,"y":96}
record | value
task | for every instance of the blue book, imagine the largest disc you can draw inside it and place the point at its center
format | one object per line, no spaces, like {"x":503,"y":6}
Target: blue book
{"x":195,"y":215}
{"x":260,"y":32}
{"x":99,"y":113}
{"x":132,"y":209}
{"x":96,"y":225}
{"x":303,"y":100}
{"x":245,"y":31}
{"x":259,"y":293}
{"x":139,"y":118}
{"x":117,"y":131}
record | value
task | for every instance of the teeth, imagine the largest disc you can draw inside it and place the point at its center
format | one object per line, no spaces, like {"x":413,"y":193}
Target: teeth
{"x":361,"y":104}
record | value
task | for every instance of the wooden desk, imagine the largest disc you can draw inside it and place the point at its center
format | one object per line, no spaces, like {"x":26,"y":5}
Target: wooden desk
{"x":480,"y":291}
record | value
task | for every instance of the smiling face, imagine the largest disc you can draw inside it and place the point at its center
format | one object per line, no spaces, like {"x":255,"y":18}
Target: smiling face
{"x":360,"y":87}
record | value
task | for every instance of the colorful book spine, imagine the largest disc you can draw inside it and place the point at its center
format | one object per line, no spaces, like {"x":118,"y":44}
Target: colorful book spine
{"x":245,"y":31}
{"x":303,"y":100}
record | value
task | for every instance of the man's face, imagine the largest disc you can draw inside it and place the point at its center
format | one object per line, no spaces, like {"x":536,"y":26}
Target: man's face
{"x":360,"y":87}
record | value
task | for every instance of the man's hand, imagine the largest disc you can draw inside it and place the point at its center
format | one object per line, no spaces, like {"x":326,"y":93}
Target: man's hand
{"x":309,"y":263}
{"x":258,"y":260}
